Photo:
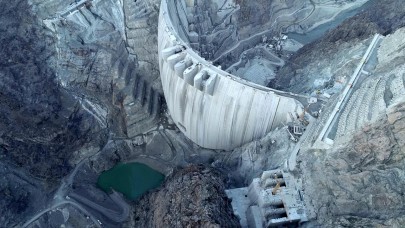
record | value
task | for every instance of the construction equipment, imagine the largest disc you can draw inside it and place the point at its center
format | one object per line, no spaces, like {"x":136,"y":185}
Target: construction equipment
{"x":302,"y":117}
{"x":277,"y":187}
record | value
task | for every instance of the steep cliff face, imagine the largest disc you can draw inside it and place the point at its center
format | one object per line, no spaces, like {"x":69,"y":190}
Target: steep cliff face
{"x":191,"y":197}
{"x":107,"y":51}
{"x":360,"y":183}
{"x":41,"y":124}
{"x":87,"y":87}
{"x":298,"y":74}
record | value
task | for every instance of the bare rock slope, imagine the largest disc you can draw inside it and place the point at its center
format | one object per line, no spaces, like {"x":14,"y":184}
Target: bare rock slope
{"x":41,"y":124}
{"x":382,"y":17}
{"x":192,"y":197}
{"x":362,"y":182}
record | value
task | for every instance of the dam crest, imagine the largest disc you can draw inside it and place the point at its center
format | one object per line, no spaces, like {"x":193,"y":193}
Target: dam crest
{"x":212,"y":107}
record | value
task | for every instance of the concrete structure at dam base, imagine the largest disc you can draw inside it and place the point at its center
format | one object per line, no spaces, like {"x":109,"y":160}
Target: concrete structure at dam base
{"x":273,"y":200}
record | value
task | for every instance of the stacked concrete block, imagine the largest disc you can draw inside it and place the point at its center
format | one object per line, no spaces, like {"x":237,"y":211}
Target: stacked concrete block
{"x":273,"y":200}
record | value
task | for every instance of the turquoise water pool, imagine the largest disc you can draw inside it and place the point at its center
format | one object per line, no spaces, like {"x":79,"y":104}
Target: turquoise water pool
{"x":131,"y":179}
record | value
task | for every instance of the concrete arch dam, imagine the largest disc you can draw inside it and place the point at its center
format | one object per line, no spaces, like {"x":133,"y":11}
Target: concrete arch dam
{"x":211,"y":107}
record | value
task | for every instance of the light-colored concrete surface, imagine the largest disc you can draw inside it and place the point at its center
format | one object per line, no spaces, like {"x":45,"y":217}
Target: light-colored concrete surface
{"x":214,"y":109}
{"x":272,"y":200}
{"x":346,"y":92}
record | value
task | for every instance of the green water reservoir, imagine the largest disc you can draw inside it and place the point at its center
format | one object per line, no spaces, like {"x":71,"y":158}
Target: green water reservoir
{"x":131,"y":179}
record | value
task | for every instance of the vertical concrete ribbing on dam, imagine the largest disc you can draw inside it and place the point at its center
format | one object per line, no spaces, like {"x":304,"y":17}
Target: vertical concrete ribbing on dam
{"x":212,"y":108}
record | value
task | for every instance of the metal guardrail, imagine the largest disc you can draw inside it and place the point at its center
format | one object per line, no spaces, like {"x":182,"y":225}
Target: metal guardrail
{"x":345,"y":94}
{"x":292,"y":160}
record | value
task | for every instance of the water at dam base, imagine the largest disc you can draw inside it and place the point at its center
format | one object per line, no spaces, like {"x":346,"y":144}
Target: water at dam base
{"x":131,"y":179}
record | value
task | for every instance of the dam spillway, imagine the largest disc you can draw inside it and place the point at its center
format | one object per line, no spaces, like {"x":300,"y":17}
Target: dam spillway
{"x":213,"y":108}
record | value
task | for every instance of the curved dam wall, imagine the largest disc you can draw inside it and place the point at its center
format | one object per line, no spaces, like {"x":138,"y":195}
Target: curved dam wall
{"x":214,"y":109}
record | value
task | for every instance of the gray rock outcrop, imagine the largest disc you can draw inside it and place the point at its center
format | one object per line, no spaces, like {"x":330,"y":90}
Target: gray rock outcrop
{"x":360,"y":183}
{"x":191,"y":197}
{"x":41,"y":123}
{"x":92,"y":86}
{"x":382,"y":17}
{"x":42,"y":126}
